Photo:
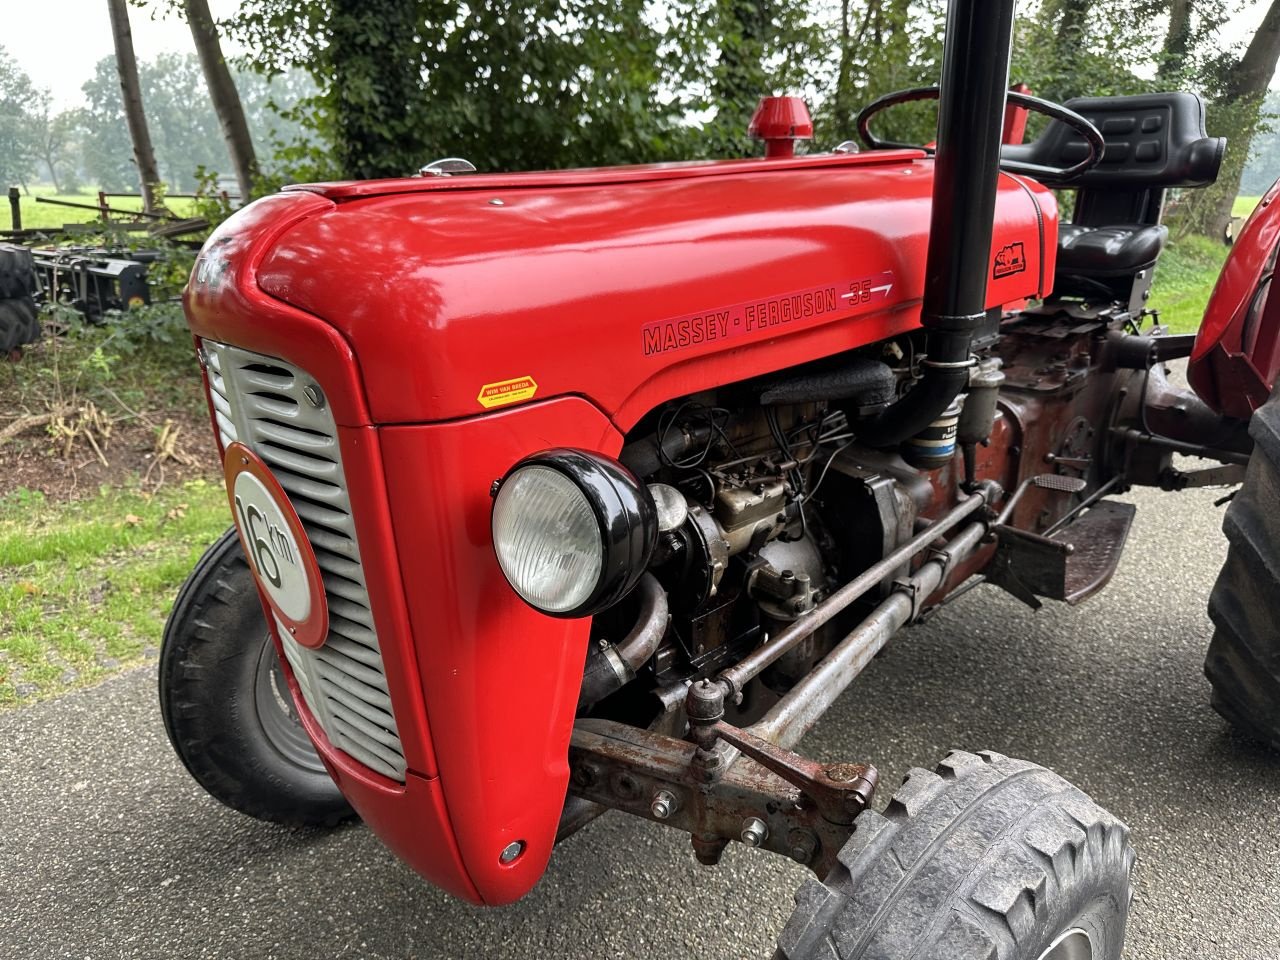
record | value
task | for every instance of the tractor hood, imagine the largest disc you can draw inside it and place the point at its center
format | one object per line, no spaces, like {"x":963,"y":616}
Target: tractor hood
{"x":463,"y":295}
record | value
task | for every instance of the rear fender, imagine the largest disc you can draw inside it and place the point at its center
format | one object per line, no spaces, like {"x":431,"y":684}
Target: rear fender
{"x":1237,"y":351}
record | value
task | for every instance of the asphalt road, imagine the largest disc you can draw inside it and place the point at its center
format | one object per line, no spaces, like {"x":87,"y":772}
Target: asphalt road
{"x":109,"y":850}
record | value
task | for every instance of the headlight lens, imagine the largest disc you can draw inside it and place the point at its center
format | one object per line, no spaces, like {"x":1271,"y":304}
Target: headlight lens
{"x":547,"y":538}
{"x":573,"y":531}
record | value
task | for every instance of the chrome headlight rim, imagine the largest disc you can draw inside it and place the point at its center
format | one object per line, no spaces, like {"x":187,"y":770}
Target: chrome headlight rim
{"x":625,"y":514}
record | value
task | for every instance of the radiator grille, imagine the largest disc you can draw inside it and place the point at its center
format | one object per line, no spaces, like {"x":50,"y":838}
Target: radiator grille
{"x":263,"y":403}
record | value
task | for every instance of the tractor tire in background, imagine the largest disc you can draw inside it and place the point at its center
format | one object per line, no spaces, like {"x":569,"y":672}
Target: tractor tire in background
{"x":1243,"y":664}
{"x":987,"y":857}
{"x":225,"y":703}
{"x":17,"y":272}
{"x":19,"y":318}
{"x":19,"y":324}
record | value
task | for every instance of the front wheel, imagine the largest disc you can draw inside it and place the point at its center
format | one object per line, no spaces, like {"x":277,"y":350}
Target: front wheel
{"x":987,"y":858}
{"x":226,"y":707}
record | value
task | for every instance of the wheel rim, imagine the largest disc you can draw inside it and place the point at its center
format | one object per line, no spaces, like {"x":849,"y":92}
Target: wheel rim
{"x":277,"y":715}
{"x":1072,"y":945}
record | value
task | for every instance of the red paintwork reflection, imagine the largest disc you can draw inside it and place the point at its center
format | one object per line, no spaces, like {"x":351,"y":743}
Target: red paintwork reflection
{"x":440,"y":292}
{"x":1237,"y":352}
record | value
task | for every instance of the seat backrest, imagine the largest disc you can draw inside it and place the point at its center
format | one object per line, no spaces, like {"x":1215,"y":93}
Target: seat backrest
{"x":1153,"y":140}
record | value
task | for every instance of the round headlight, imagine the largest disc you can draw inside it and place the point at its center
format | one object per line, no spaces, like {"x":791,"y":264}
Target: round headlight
{"x":573,"y":531}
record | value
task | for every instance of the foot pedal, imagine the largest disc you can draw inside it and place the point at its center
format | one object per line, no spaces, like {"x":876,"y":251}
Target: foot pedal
{"x":1072,"y":565}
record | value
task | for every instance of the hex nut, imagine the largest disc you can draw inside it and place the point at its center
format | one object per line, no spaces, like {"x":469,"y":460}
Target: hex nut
{"x":754,"y":831}
{"x":664,"y":804}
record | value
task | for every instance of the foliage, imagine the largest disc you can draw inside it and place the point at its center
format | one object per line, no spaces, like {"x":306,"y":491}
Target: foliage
{"x":18,"y":148}
{"x":530,"y":84}
{"x":1184,"y":279}
{"x":136,"y":360}
{"x":184,"y":127}
{"x":85,"y":586}
{"x":1263,"y":165}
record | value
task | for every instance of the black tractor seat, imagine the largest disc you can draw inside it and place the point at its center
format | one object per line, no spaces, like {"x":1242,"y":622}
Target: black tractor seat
{"x":1115,"y":251}
{"x":1153,"y":141}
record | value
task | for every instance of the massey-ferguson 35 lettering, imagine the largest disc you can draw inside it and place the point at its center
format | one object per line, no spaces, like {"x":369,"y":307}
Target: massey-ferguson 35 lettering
{"x":556,"y":493}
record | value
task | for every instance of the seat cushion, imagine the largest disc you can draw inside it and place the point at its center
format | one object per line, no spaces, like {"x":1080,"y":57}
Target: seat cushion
{"x":1108,"y":251}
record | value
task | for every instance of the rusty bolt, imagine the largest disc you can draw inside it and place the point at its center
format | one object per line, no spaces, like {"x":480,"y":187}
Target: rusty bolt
{"x":844,"y":772}
{"x":803,"y":845}
{"x":664,"y":804}
{"x":586,"y":774}
{"x":625,"y":785}
{"x":754,"y":831}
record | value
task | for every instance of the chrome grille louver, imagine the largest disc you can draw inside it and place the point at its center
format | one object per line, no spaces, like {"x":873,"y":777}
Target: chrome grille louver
{"x":263,"y":403}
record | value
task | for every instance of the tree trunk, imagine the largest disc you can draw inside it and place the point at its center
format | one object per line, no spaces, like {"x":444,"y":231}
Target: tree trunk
{"x":1074,"y":16}
{"x":1242,"y":102}
{"x":222,"y":91}
{"x":131,"y":94}
{"x":53,"y":174}
{"x":1176,"y":42}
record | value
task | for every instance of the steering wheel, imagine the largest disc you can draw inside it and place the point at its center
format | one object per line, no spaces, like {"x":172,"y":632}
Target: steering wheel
{"x":1056,"y":111}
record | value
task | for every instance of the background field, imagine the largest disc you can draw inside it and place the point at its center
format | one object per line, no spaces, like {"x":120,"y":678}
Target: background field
{"x":36,"y":215}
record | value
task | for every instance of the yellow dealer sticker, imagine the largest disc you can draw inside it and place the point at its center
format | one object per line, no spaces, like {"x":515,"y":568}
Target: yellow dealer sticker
{"x":507,"y":391}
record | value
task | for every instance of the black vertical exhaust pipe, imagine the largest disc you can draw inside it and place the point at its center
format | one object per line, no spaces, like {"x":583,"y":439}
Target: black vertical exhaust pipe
{"x":975,"y":75}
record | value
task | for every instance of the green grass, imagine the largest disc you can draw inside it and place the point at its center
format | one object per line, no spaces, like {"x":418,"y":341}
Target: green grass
{"x":1184,"y":278}
{"x":85,"y":585}
{"x":1243,"y":206}
{"x":37,"y":215}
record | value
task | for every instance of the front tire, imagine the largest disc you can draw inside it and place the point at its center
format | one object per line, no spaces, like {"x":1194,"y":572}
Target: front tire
{"x":1243,"y":662}
{"x":226,"y":708}
{"x":985,"y":858}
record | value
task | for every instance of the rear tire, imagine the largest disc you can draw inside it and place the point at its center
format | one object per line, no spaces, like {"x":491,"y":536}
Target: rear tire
{"x":226,"y":708}
{"x":1243,"y":663}
{"x":17,"y":272}
{"x":986,"y":858}
{"x":19,"y":323}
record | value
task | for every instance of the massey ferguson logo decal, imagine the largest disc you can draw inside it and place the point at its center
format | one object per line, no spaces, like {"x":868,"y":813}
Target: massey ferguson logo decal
{"x":1010,"y":260}
{"x":762,"y":316}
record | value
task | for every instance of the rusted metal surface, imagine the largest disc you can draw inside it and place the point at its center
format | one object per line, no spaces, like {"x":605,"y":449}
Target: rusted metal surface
{"x":839,"y":791}
{"x":795,"y":714}
{"x":1072,"y":565}
{"x":628,"y":769}
{"x":736,"y":677}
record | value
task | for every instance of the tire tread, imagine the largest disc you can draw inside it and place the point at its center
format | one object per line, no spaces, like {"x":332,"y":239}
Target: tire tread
{"x":911,"y":885}
{"x":1243,"y":659}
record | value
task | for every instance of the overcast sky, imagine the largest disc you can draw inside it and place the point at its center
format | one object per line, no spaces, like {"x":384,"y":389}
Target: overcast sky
{"x":57,"y":42}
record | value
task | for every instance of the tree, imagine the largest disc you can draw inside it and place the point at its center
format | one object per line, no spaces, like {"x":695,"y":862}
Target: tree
{"x":52,"y":135}
{"x":1263,"y":165}
{"x":1241,"y":100}
{"x":223,"y":94}
{"x":17,"y":147}
{"x":1235,"y":86}
{"x":512,"y":86}
{"x":105,"y":149}
{"x":131,"y":96}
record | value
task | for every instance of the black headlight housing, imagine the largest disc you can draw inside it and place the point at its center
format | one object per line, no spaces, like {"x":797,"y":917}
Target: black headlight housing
{"x":624,"y":514}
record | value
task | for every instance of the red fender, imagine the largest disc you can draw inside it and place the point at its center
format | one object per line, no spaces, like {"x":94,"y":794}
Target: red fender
{"x":1237,"y":351}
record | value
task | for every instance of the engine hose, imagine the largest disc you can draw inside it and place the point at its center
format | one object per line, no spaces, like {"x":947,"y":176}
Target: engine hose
{"x":966,"y":170}
{"x":610,"y":666}
{"x":946,"y":372}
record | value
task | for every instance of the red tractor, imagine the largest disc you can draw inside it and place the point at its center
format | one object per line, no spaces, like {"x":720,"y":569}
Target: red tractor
{"x":558,"y":493}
